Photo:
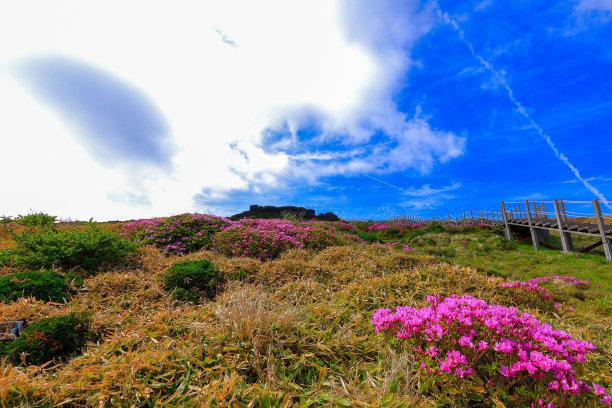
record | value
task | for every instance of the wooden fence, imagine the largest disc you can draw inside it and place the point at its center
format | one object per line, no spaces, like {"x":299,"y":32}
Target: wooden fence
{"x":532,"y":222}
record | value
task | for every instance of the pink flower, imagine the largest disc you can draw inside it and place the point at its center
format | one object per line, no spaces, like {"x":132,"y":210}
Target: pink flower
{"x":598,"y":389}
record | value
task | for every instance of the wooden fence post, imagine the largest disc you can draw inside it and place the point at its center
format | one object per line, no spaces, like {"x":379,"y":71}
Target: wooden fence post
{"x":507,"y":229}
{"x":544,"y":218}
{"x":563,"y":213}
{"x":534,"y":234}
{"x":566,"y":237}
{"x":600,"y":223}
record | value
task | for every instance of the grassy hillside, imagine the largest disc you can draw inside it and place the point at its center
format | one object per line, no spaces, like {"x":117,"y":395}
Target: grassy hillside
{"x":295,"y":328}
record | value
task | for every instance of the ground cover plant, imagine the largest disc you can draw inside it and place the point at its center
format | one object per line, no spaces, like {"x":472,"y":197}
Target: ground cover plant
{"x":187,"y":279}
{"x":519,"y":359}
{"x":266,"y":239}
{"x":43,"y":285}
{"x":295,"y":329}
{"x":53,"y":337}
{"x":180,"y":234}
{"x":36,"y":248}
{"x":30,"y":220}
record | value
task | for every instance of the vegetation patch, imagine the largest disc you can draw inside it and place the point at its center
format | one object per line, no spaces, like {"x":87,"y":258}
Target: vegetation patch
{"x":295,"y":330}
{"x":43,"y":285}
{"x":30,"y":220}
{"x":54,"y":337}
{"x":43,"y":248}
{"x":180,"y":234}
{"x":189,"y":279}
{"x":267,"y":239}
{"x":463,"y":344}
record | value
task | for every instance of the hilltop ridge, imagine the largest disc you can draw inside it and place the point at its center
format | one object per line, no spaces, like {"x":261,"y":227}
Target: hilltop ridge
{"x":270,"y":211}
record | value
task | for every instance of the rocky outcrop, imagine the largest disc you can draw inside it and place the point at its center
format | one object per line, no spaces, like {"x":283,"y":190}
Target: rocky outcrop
{"x":270,"y":211}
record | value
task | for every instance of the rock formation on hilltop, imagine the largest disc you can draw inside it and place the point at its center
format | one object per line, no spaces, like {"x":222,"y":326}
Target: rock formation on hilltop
{"x":270,"y":211}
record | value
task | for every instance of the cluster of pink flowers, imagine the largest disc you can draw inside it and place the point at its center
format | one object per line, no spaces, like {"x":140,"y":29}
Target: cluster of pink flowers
{"x":532,"y":286}
{"x":417,"y":225}
{"x":354,"y":239}
{"x":179,"y":234}
{"x":404,"y":247}
{"x":346,"y":226}
{"x":463,"y":336}
{"x":378,"y":227}
{"x":569,"y":279}
{"x":267,"y":238}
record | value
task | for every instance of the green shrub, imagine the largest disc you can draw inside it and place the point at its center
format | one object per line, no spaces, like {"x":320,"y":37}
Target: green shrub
{"x":43,"y":248}
{"x":370,"y":238}
{"x":31,"y":220}
{"x":434,"y":226}
{"x":43,"y":285}
{"x":50,"y":338}
{"x":188,"y":279}
{"x":5,"y":257}
{"x":184,"y":295}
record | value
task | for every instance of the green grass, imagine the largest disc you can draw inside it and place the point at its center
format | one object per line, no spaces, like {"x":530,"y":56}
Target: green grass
{"x":491,"y":254}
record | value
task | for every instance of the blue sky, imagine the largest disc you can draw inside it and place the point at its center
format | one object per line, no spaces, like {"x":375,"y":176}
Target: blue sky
{"x":366,"y":109}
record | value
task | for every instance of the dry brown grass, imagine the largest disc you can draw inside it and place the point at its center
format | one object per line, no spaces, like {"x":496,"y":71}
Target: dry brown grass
{"x":592,"y":220}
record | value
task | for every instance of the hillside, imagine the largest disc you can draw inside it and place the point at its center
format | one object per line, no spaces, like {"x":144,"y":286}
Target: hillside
{"x":290,"y":319}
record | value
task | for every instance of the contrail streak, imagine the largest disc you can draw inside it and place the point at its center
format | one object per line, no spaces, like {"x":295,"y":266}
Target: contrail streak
{"x":384,"y":182}
{"x":519,"y":106}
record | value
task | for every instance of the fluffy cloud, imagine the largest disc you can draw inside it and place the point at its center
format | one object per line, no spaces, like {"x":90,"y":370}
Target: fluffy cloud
{"x":252,"y":94}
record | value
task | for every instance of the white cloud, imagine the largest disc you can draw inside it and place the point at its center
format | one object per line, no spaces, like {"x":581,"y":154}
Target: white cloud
{"x":428,"y":197}
{"x":590,"y":5}
{"x":220,"y":72}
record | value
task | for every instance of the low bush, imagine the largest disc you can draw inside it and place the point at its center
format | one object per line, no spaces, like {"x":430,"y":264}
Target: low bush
{"x":179,"y":234}
{"x":267,"y":239}
{"x":188,"y":279}
{"x":54,"y":337}
{"x":43,"y":285}
{"x":369,"y":238}
{"x":481,"y":353}
{"x":31,"y":220}
{"x":44,"y":248}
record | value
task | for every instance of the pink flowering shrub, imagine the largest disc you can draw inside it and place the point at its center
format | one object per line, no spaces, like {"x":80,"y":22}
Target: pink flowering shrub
{"x":348,"y":238}
{"x":378,"y":227}
{"x":403,"y":247}
{"x":530,"y":292}
{"x":267,"y":238}
{"x":345,"y":226}
{"x":465,"y":341}
{"x":179,"y":234}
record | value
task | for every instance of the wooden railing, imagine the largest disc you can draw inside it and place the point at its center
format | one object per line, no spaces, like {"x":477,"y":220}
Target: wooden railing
{"x":533,"y":222}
